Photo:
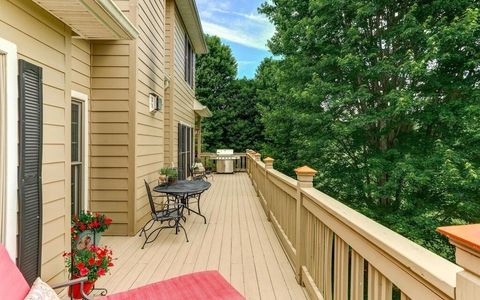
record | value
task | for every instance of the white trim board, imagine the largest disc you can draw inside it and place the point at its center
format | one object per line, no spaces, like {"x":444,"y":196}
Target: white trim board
{"x":86,"y":154}
{"x":11,"y":154}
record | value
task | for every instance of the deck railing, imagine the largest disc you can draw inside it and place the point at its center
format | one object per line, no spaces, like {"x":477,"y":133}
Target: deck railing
{"x":240,"y":165}
{"x":338,"y":253}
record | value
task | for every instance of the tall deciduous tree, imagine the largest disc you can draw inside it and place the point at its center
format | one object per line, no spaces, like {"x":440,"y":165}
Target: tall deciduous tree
{"x":236,"y":121}
{"x":382,"y":97}
{"x":215,"y":74}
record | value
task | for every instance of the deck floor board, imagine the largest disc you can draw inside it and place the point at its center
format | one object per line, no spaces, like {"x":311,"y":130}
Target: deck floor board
{"x":237,"y":240}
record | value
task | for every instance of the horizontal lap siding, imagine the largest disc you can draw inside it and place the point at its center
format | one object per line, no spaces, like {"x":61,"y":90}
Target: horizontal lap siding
{"x":168,"y":134}
{"x":110,"y":147}
{"x":81,"y":66}
{"x":44,"y":41}
{"x":150,"y":79}
{"x":183,"y":95}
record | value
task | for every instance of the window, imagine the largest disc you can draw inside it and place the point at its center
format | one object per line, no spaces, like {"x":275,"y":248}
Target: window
{"x":189,"y":62}
{"x":8,"y":146}
{"x":77,"y":157}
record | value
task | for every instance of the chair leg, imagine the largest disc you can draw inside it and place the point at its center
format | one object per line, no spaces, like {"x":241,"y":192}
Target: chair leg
{"x":184,"y":231}
{"x":200,"y":213}
{"x":143,"y":230}
{"x":147,"y":237}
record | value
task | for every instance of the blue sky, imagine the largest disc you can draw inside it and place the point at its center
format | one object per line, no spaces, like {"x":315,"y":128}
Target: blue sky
{"x":239,"y":25}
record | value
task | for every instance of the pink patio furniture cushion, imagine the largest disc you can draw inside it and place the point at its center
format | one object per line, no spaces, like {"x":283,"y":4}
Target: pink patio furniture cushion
{"x":196,"y":286}
{"x":12,"y":283}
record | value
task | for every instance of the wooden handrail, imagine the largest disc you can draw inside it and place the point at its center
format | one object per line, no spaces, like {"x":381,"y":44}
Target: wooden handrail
{"x":330,"y":245}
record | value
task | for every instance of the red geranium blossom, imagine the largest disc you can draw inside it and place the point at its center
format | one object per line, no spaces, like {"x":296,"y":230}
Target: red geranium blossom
{"x":84,"y":271}
{"x":91,"y":260}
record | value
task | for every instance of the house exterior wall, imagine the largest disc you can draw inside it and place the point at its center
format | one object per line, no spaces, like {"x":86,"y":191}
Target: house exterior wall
{"x":43,"y":40}
{"x":183,"y":95}
{"x":180,"y":96}
{"x":112,"y":132}
{"x":150,"y":59}
{"x":126,"y":142}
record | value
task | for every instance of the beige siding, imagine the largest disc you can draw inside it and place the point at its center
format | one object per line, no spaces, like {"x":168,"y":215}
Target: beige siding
{"x":184,"y":95}
{"x":180,"y":96}
{"x":81,"y":66}
{"x":44,"y":41}
{"x":150,"y":79}
{"x":168,"y":105}
{"x":111,"y":134}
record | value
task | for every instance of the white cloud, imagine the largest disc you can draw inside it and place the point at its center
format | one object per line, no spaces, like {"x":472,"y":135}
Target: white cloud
{"x":238,"y":36}
{"x":226,"y":20}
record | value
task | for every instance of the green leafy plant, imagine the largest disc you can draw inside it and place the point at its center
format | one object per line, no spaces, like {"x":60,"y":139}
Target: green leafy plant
{"x":93,"y":262}
{"x":170,"y":172}
{"x":89,"y":221}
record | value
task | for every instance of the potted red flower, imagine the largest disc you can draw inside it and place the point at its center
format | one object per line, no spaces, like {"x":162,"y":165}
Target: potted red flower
{"x":93,"y":263}
{"x":87,"y":228}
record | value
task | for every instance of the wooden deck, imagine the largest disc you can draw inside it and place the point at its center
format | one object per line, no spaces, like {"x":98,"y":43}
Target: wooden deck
{"x":237,"y":240}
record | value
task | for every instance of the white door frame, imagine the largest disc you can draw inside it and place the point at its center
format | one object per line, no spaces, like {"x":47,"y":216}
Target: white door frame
{"x":9,"y":49}
{"x":81,"y":97}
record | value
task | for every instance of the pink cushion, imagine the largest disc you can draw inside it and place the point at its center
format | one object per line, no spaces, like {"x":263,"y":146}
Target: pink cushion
{"x":197,"y":286}
{"x":12,"y":284}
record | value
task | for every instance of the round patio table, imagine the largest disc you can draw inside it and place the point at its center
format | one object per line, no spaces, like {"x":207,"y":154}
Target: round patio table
{"x":184,"y":190}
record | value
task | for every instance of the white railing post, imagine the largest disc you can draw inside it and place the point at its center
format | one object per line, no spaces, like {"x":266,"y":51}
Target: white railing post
{"x":268,"y":187}
{"x":466,"y":239}
{"x":304,"y":180}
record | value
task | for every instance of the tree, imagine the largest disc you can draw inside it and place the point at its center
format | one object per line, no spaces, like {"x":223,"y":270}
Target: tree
{"x":382,"y":97}
{"x":236,"y":121}
{"x":215,"y":74}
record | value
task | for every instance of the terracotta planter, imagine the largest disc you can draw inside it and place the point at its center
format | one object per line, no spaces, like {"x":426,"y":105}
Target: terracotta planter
{"x":74,"y":290}
{"x":172,"y":180}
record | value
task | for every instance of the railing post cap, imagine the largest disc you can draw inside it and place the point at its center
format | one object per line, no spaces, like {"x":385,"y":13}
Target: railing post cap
{"x":466,"y":239}
{"x":268,"y":160}
{"x":305,"y":171}
{"x":467,"y":236}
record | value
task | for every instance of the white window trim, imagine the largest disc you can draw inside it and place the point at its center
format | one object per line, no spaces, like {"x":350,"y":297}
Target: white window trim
{"x":78,"y":96}
{"x":11,"y":148}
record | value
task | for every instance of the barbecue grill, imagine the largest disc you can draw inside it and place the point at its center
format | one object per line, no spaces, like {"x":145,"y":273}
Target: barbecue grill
{"x":225,"y":161}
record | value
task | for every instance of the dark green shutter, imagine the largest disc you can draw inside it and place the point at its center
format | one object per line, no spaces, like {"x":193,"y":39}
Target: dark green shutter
{"x":30,"y":170}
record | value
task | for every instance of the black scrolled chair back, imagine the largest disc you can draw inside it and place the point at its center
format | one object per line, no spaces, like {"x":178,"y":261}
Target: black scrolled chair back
{"x":150,"y":198}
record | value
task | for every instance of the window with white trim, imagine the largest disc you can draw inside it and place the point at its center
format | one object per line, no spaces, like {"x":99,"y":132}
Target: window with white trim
{"x":189,"y":62}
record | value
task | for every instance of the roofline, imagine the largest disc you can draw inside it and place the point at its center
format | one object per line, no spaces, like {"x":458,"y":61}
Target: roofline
{"x":129,"y":30}
{"x":201,"y":110}
{"x":189,"y":11}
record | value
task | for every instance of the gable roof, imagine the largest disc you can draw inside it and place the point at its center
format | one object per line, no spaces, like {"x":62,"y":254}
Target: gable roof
{"x":190,"y":17}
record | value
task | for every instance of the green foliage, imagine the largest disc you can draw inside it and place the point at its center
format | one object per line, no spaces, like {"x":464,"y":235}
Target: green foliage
{"x":382,"y":97}
{"x":236,"y":122}
{"x":170,"y":172}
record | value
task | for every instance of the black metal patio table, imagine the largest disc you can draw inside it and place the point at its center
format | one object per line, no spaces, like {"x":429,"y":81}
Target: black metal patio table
{"x":185,"y":190}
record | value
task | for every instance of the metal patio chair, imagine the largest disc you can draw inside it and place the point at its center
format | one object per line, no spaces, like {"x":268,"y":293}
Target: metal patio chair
{"x":171,"y":213}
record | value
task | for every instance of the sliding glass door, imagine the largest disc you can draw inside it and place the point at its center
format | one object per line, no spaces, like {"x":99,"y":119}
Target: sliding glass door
{"x":185,"y":150}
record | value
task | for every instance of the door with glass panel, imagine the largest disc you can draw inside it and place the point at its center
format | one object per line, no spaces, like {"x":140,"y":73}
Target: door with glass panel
{"x":78,"y":164}
{"x":185,"y":150}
